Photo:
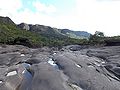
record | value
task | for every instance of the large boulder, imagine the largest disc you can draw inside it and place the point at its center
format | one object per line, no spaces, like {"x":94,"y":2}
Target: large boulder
{"x":24,"y":26}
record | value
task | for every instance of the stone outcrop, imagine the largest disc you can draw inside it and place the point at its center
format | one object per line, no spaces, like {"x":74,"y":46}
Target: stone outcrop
{"x":24,"y":26}
{"x":23,"y":68}
{"x":6,"y":20}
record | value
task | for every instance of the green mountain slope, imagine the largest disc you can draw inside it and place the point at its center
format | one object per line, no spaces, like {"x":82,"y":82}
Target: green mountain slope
{"x":50,"y":32}
{"x":75,"y":34}
{"x":11,"y":34}
{"x":45,"y":31}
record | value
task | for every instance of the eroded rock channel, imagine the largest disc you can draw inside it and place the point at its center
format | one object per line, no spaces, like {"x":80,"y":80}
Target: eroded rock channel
{"x":23,"y":68}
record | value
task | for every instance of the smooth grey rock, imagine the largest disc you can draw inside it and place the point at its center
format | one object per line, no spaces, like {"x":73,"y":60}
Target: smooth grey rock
{"x":24,"y":26}
{"x":95,"y":78}
{"x":47,"y":78}
{"x":84,"y":69}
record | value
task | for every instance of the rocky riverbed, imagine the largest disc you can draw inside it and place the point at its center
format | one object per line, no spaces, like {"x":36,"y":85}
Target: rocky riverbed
{"x":71,"y":68}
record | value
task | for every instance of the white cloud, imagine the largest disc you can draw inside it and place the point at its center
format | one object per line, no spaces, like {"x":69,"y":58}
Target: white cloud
{"x":9,"y":7}
{"x":33,"y":18}
{"x":88,"y":15}
{"x":95,"y":15}
{"x":44,"y":8}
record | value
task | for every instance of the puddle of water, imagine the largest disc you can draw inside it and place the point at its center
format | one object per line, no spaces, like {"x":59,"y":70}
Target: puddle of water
{"x":22,"y":55}
{"x":27,"y":75}
{"x":27,"y":79}
{"x":26,"y":65}
{"x":97,"y":64}
{"x":54,"y":53}
{"x":51,"y":62}
{"x":90,"y":66}
{"x":23,"y":72}
{"x":11,"y":73}
{"x":78,"y":65}
{"x":1,"y":81}
{"x":103,"y":62}
{"x":75,"y":87}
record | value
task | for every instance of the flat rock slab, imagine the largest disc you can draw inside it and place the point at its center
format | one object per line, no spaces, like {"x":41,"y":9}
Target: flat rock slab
{"x":77,"y":68}
{"x":47,"y":77}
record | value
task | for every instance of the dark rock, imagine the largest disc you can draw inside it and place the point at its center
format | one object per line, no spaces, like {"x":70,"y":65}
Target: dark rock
{"x":23,"y":68}
{"x":86,"y":77}
{"x":75,"y":47}
{"x":6,"y":20}
{"x":112,"y":42}
{"x":33,"y":61}
{"x":22,"y":41}
{"x":47,"y":78}
{"x":24,"y":26}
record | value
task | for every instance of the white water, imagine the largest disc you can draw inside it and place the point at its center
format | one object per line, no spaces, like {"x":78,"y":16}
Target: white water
{"x":51,"y":62}
{"x":1,"y":81}
{"x":12,"y":73}
{"x":75,"y":87}
{"x":78,"y":65}
{"x":22,"y":55}
{"x":54,"y":53}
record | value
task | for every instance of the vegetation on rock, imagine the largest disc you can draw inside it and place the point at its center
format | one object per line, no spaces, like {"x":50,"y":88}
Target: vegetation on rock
{"x":41,"y":35}
{"x":100,"y":39}
{"x":11,"y":34}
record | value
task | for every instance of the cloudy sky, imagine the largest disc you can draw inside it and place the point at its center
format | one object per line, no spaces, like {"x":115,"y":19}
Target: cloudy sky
{"x":79,"y":15}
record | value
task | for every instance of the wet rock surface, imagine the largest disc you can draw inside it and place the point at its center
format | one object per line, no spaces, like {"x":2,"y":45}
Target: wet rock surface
{"x":23,"y":68}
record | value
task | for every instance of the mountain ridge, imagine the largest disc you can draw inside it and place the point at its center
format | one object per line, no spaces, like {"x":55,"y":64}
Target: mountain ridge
{"x":54,"y":32}
{"x":33,"y":35}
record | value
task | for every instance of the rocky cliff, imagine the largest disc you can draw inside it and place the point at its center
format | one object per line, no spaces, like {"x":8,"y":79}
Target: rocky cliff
{"x":54,"y":32}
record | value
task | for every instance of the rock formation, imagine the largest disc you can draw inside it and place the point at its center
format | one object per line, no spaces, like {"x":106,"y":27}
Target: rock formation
{"x":23,"y":68}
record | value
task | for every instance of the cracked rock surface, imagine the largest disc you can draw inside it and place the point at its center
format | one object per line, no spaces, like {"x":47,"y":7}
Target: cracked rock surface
{"x":23,"y":68}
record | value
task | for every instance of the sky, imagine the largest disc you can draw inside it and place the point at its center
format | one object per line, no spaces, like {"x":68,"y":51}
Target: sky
{"x":78,"y":15}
